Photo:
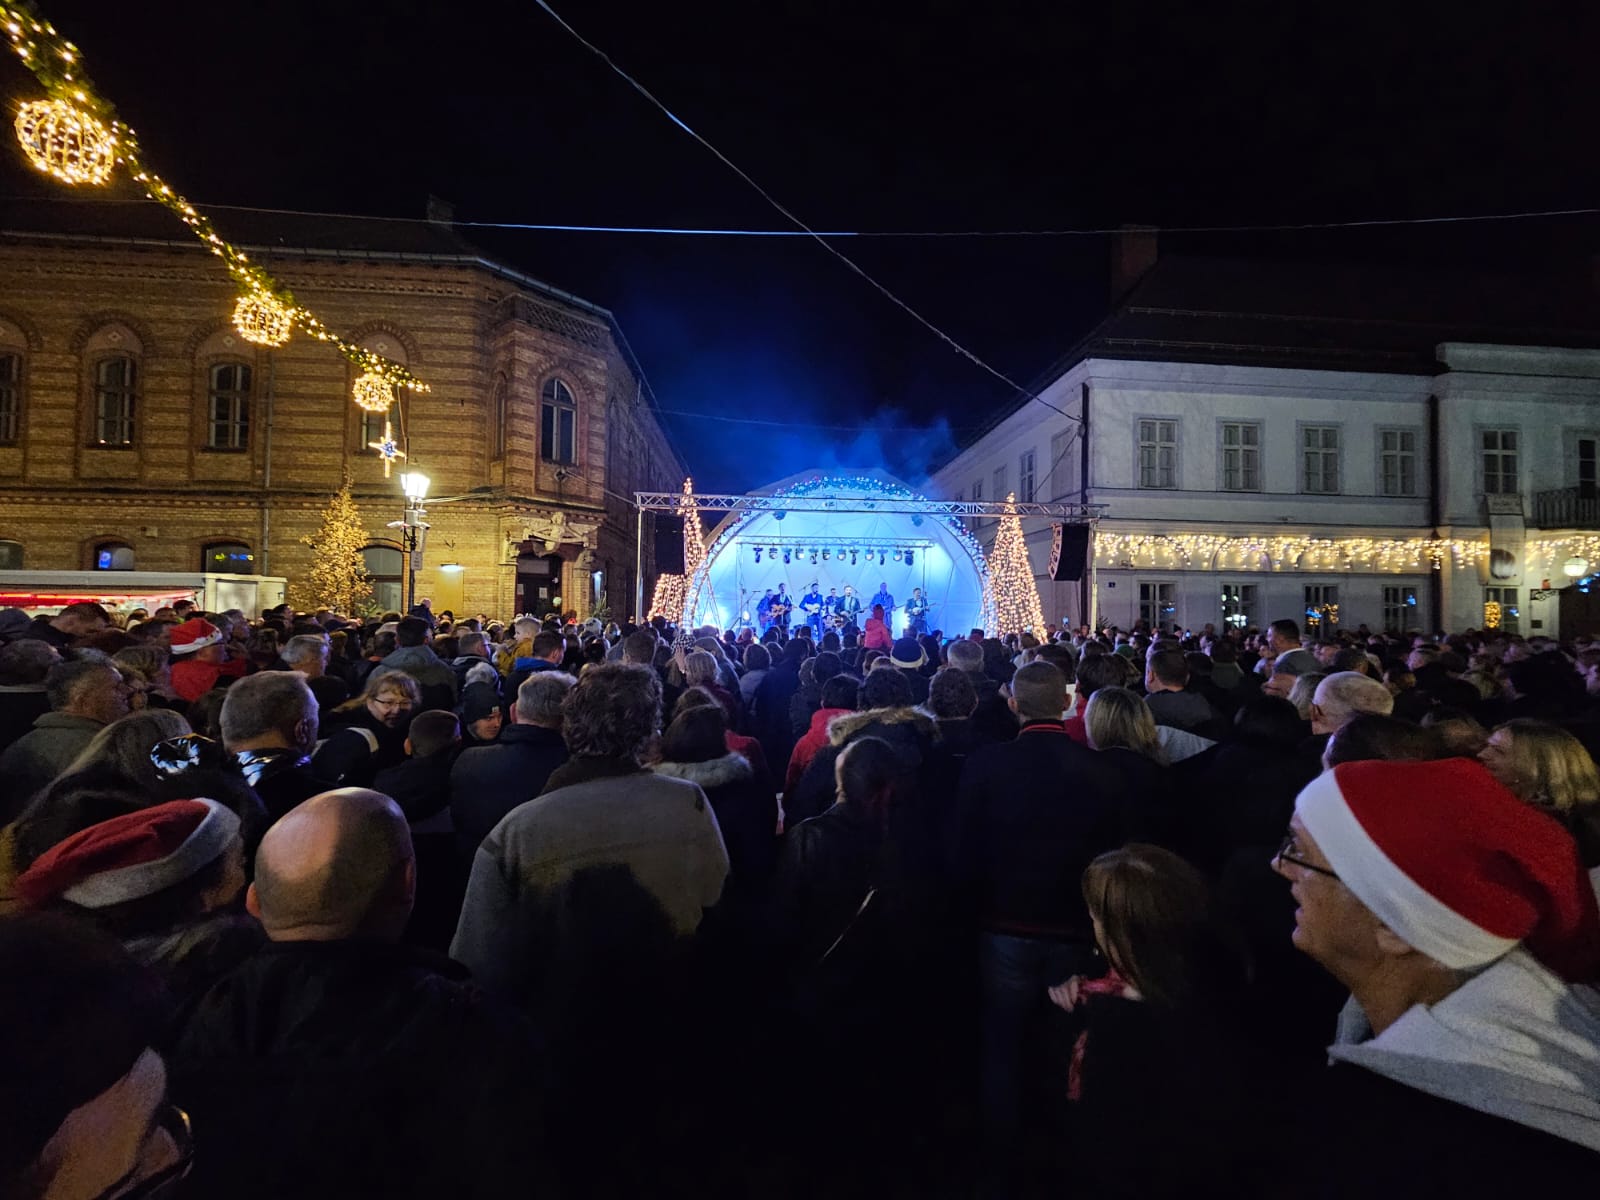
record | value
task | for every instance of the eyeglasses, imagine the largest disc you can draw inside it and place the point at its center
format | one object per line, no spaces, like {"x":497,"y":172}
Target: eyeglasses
{"x":163,"y":1185}
{"x":1289,"y":852}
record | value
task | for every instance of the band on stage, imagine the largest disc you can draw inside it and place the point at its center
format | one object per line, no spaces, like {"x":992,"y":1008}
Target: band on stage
{"x":836,"y":611}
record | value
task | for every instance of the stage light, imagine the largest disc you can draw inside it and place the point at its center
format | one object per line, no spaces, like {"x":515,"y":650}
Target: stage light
{"x":826,"y":555}
{"x":910,"y":555}
{"x":813,"y":558}
{"x":882,"y":558}
{"x":773,"y":551}
{"x":786,"y":557}
{"x":841,"y":553}
{"x":898,"y":554}
{"x":852,"y":558}
{"x":758,"y":553}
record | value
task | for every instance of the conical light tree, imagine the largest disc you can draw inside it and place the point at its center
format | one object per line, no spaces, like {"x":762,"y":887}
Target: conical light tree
{"x":1015,"y":595}
{"x":694,"y":553}
{"x":338,"y":576}
{"x":668,"y":599}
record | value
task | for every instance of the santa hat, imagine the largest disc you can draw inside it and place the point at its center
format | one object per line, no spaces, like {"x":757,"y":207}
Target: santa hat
{"x":132,"y":856}
{"x":194,"y":634}
{"x":1454,"y":864}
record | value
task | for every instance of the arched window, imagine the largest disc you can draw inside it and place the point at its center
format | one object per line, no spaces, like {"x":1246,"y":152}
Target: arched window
{"x":113,"y":556}
{"x":386,"y":567}
{"x":497,"y":418}
{"x":558,"y":422}
{"x":116,"y":390}
{"x":228,"y":406}
{"x":227,"y":558}
{"x":10,"y":395}
{"x":10,"y":556}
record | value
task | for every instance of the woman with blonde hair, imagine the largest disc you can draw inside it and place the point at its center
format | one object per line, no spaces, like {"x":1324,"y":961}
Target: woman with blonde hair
{"x":1120,"y":727}
{"x":1118,"y":719}
{"x":1546,"y":766}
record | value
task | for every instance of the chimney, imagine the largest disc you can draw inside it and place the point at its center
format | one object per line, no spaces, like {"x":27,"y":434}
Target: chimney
{"x":1133,"y":253}
{"x":441,"y":212}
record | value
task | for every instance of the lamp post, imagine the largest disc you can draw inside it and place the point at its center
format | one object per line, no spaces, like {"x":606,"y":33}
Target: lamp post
{"x":415,"y":486}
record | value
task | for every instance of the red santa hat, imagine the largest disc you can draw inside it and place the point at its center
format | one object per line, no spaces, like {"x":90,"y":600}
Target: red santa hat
{"x":1455,"y":864}
{"x":132,"y":856}
{"x":194,"y":634}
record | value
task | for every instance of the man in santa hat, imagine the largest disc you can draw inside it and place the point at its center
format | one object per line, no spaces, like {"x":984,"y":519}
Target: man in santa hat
{"x":200,"y":660}
{"x":1467,"y":1061}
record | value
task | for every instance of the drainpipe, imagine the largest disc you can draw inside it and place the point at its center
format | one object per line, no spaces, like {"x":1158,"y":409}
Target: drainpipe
{"x":264,"y":559}
{"x":1436,"y":592}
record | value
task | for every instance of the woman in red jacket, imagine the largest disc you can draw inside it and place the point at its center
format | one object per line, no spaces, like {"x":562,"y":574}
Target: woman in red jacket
{"x":875,"y":635}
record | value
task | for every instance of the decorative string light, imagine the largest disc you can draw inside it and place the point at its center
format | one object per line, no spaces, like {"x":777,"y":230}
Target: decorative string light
{"x":373,"y":392}
{"x":669,"y":597}
{"x":66,"y":142}
{"x":694,"y":556}
{"x":1011,"y":586}
{"x":105,"y":141}
{"x":1202,"y":551}
{"x":263,"y":318}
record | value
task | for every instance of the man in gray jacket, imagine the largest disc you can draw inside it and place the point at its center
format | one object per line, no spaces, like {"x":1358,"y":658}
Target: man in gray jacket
{"x":606,"y":834}
{"x":416,"y":658}
{"x":84,"y":698}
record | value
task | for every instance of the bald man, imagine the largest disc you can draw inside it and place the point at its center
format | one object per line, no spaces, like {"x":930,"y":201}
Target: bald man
{"x":338,"y":1061}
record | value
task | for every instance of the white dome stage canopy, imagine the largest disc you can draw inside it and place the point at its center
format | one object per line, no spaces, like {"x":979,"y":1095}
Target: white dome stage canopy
{"x":861,"y":529}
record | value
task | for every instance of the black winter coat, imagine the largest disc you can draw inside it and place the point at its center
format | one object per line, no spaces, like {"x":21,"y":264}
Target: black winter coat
{"x":487,"y":782}
{"x":351,"y":1068}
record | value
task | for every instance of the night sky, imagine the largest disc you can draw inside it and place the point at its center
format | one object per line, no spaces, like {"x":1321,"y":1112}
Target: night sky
{"x":866,"y":116}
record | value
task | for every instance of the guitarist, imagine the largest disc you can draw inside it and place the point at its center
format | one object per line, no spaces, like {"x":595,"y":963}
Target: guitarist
{"x":811,"y":606}
{"x":917,"y":613}
{"x":850,"y":610}
{"x":778,"y":611}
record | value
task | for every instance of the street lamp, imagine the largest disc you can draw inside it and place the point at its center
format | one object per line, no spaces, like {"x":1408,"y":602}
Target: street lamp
{"x":415,"y":486}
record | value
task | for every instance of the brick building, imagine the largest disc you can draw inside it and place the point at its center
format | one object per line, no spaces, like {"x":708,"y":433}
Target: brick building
{"x":138,"y":431}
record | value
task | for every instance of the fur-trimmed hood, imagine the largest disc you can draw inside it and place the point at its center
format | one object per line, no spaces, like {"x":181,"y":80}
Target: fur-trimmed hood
{"x":714,"y":772}
{"x":842,"y":729}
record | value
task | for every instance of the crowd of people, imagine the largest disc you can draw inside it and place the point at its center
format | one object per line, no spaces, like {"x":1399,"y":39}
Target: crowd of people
{"x":434,"y":905}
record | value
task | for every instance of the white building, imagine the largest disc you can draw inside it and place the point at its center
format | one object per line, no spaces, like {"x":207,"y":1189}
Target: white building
{"x":1391,"y":450}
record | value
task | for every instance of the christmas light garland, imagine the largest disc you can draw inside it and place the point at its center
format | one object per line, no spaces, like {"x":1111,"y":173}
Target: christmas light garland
{"x":1204,"y":551}
{"x":76,"y":137}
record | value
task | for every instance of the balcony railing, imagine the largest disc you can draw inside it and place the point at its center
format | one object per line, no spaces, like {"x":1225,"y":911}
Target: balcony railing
{"x":1566,"y":508}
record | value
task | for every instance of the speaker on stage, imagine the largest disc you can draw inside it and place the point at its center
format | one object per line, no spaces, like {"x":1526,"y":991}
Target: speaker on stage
{"x":669,"y":544}
{"x":1069,"y":552}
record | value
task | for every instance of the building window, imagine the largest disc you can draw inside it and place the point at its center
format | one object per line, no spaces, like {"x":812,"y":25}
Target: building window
{"x":497,"y":418}
{"x":1322,"y":608}
{"x":372,"y":426}
{"x":386,"y":572}
{"x":1239,"y":605}
{"x":999,"y":483}
{"x":558,"y":417}
{"x":1500,"y":462}
{"x":1158,"y":454}
{"x":977,"y":497}
{"x":1025,"y":477}
{"x":227,"y":558}
{"x":1501,"y":609}
{"x":10,"y":556}
{"x":1397,"y":462}
{"x":1156,"y":604}
{"x":229,"y":407}
{"x":1399,"y":609}
{"x":1586,"y":468}
{"x":115,"y":391}
{"x":1319,"y":458}
{"x":10,"y":397}
{"x":113,"y":556}
{"x":1059,"y":445}
{"x":1241,"y":456}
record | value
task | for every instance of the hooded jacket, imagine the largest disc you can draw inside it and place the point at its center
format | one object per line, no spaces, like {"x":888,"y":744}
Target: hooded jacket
{"x":1514,"y":1042}
{"x":806,"y":748}
{"x":746,"y":813}
{"x":912,"y":734}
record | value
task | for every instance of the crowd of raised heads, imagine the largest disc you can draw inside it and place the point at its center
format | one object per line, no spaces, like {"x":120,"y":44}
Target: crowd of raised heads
{"x":437,"y":905}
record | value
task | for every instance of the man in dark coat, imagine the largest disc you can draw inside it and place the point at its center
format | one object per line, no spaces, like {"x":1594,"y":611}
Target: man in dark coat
{"x":79,"y":620}
{"x":337,"y":1062}
{"x":1032,"y":814}
{"x":269,"y":726}
{"x":770,"y":720}
{"x":421,"y":787}
{"x":23,"y":667}
{"x":487,"y":782}
{"x":1460,"y":920}
{"x":84,"y":698}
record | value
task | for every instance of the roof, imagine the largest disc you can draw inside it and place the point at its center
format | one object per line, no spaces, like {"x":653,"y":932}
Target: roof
{"x":1338,"y":316}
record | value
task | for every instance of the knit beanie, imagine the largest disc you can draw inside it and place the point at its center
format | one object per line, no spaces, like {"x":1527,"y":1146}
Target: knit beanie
{"x":1454,"y":864}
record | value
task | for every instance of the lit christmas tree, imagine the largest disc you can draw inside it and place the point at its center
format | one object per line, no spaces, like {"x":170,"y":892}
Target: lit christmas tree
{"x":1014,"y":595}
{"x":338,"y":576}
{"x":694,"y":555}
{"x":668,"y":600}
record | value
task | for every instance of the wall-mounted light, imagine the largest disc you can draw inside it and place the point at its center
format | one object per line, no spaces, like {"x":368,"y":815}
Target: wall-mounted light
{"x":451,"y":568}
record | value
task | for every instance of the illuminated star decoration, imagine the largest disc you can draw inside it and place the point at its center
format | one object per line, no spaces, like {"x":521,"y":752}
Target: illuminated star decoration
{"x":388,"y":449}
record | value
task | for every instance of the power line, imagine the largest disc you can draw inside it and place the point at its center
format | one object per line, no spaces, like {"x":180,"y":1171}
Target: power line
{"x":679,"y":412}
{"x":818,"y":238}
{"x":926,"y":234}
